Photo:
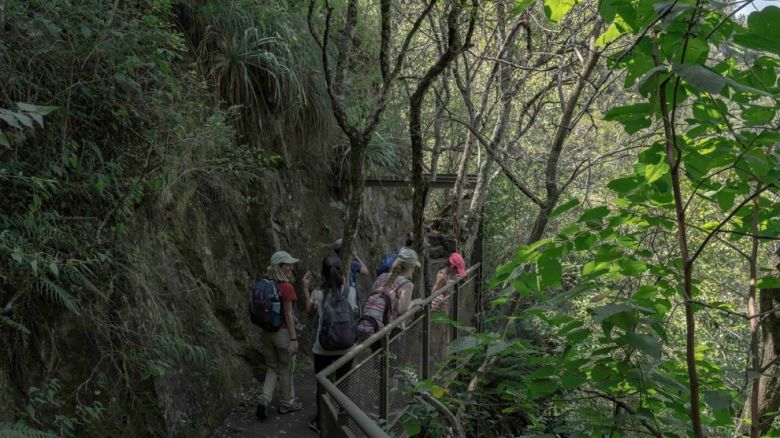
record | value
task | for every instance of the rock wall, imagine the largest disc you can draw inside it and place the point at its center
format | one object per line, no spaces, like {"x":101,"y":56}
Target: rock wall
{"x":181,"y":346}
{"x":204,"y":257}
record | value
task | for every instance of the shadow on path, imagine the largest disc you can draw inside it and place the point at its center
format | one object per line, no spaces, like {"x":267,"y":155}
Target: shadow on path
{"x":243,"y":423}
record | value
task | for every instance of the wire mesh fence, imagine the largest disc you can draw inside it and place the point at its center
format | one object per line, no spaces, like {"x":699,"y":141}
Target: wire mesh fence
{"x":372,"y":398}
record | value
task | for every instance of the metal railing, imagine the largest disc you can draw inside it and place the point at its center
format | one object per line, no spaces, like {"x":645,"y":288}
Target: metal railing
{"x":372,"y":397}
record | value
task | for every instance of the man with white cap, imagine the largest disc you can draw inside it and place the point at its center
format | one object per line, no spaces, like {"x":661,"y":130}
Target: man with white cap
{"x":280,"y":347}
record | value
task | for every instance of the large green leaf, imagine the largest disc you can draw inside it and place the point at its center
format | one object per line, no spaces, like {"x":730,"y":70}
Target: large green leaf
{"x":632,"y":117}
{"x":764,"y":33}
{"x":604,"y":312}
{"x":700,"y":77}
{"x":556,"y":9}
{"x":696,"y":51}
{"x":645,"y":343}
{"x":718,"y":400}
{"x":549,"y":271}
{"x":463,"y":344}
{"x":563,"y":208}
{"x":594,"y":214}
{"x":654,"y":172}
{"x":521,"y":6}
{"x":571,"y":380}
{"x":758,"y":115}
{"x":768,"y":282}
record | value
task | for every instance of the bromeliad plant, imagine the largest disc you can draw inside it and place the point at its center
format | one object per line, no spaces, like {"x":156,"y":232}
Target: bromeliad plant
{"x":706,"y":186}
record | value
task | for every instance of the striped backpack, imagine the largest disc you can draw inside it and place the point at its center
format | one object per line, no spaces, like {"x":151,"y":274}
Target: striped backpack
{"x":381,"y":307}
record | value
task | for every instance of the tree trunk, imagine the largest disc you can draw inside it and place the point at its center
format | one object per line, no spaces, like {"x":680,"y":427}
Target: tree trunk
{"x":764,"y":398}
{"x":454,"y":48}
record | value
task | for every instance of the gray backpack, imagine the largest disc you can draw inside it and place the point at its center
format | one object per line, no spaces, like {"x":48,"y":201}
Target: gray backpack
{"x":339,"y":325}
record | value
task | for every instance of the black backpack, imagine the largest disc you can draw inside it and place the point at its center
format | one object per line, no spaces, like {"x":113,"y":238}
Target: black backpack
{"x":265,"y":306}
{"x":339,"y":325}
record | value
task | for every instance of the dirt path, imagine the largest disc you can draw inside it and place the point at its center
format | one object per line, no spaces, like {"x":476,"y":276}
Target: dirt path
{"x":243,"y":423}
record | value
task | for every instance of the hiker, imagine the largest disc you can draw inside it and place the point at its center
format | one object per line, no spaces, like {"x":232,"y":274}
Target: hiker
{"x":386,"y":262}
{"x":356,"y":267}
{"x":446,"y":278}
{"x":333,"y":338}
{"x":281,"y":346}
{"x":391,"y":296}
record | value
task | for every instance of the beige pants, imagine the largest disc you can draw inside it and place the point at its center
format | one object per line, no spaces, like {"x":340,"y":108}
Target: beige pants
{"x":278,"y":360}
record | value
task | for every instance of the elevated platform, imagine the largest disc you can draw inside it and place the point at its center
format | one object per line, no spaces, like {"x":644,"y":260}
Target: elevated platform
{"x":442,"y":181}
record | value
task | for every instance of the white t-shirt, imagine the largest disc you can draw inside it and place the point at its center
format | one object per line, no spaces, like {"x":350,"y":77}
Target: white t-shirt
{"x":316,"y":298}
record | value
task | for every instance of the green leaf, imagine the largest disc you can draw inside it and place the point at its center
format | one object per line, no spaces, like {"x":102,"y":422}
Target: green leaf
{"x":768,"y":282}
{"x":585,"y":241}
{"x":654,"y":172}
{"x":632,"y":117}
{"x":544,"y":372}
{"x":648,"y":83}
{"x":645,"y":343}
{"x":592,"y":268}
{"x":601,"y":372}
{"x":538,"y":388}
{"x":763,"y":31}
{"x":21,"y":329}
{"x":550,"y":271}
{"x":521,"y":6}
{"x":696,"y":51}
{"x":578,"y":336}
{"x":563,"y":208}
{"x":604,"y":312}
{"x":497,"y":347}
{"x":10,"y":118}
{"x":718,"y":400}
{"x":556,"y":9}
{"x":594,"y":214}
{"x":757,"y":161}
{"x":612,"y":33}
{"x":570,"y":326}
{"x":4,"y":140}
{"x":624,"y":186}
{"x":758,"y":115}
{"x":632,"y":267}
{"x":38,"y":109}
{"x":570,"y":381}
{"x":412,"y":428}
{"x":463,"y":344}
{"x":645,"y":292}
{"x":700,"y":77}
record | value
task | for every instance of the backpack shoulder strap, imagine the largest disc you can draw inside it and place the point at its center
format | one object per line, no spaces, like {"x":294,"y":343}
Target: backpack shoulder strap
{"x":388,"y":308}
{"x":402,"y":284}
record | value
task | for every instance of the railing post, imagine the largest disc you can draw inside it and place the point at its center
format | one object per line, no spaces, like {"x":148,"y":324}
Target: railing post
{"x":384,"y":380}
{"x":341,"y":422}
{"x":455,"y":309}
{"x":478,"y":297}
{"x":426,"y":342}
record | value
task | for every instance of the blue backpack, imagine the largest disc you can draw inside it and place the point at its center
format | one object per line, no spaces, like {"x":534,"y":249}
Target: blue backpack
{"x":386,"y":263}
{"x":265,"y":306}
{"x":339,"y":324}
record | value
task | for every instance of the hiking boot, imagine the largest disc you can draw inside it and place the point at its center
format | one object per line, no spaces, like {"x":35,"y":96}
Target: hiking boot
{"x":262,"y":410}
{"x":314,"y":423}
{"x":293,"y":407}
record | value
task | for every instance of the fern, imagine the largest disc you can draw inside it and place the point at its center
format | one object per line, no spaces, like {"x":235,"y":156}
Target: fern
{"x":57,"y":294}
{"x":18,"y":326}
{"x":21,"y":430}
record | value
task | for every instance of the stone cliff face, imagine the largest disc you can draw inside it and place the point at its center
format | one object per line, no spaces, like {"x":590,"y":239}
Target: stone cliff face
{"x":203,"y":252}
{"x":187,"y":346}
